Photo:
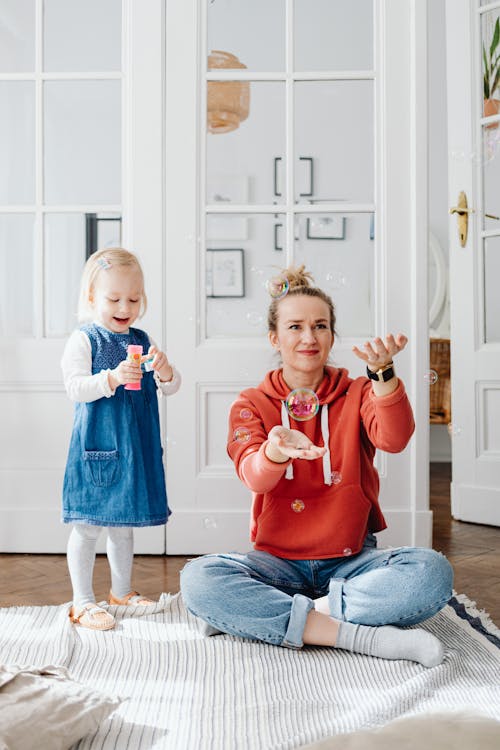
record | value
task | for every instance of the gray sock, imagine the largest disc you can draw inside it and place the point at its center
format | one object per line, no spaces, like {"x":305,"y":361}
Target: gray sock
{"x":388,"y":642}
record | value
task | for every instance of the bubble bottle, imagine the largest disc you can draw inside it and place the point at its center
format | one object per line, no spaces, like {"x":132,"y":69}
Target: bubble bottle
{"x":134,"y":354}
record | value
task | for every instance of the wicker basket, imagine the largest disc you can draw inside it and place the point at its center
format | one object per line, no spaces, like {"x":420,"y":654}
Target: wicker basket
{"x":440,"y":391}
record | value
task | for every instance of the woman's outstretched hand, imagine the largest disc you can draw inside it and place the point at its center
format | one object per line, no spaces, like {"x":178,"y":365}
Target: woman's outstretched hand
{"x":284,"y":443}
{"x":378,"y":354}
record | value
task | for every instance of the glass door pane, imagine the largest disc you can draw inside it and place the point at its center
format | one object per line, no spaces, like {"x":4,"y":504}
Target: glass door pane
{"x":17,"y":142}
{"x":241,"y":164}
{"x":82,"y":142}
{"x":489,"y":165}
{"x":338,"y":249}
{"x":334,"y":125}
{"x":16,"y":275}
{"x":491,"y":297}
{"x":245,"y":254}
{"x":82,"y":36}
{"x":254,"y":30}
{"x":17,"y":36}
{"x":333,"y":34}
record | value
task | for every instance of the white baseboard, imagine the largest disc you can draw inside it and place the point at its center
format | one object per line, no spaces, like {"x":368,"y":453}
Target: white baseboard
{"x":187,"y":532}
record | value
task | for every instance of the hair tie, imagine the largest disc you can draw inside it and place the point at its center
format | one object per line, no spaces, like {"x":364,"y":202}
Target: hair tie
{"x":104,"y":263}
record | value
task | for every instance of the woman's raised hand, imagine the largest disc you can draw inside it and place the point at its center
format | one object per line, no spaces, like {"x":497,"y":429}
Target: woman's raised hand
{"x":291,"y":444}
{"x":380,"y":353}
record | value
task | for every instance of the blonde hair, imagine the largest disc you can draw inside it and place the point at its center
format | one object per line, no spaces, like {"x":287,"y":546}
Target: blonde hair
{"x":301,"y":282}
{"x":100,"y":262}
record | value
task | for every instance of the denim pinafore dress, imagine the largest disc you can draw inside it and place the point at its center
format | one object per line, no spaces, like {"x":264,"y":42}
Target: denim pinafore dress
{"x":114,"y":473}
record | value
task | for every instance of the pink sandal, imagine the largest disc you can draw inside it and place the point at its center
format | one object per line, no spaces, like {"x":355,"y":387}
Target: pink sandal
{"x":132,"y":598}
{"x":93,"y":617}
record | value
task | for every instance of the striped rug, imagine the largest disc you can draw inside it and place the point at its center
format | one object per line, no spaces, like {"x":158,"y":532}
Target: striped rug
{"x":188,"y":692}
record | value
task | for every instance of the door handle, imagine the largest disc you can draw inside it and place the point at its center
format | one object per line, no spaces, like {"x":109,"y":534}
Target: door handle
{"x":462,"y":212}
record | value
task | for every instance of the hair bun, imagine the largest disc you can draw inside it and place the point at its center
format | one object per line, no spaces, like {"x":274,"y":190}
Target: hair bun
{"x":298,"y":276}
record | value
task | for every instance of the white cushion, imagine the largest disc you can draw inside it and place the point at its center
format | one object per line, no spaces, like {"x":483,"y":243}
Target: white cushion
{"x":433,"y":731}
{"x":45,"y":709}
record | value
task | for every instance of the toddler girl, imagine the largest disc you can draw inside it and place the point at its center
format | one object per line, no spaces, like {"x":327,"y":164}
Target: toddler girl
{"x":114,"y":474}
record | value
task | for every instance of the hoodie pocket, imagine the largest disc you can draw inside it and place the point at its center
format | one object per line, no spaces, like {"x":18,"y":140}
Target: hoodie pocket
{"x":330,"y":524}
{"x":102,"y":468}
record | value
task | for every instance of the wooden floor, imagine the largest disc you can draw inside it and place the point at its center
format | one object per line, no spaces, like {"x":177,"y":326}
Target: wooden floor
{"x":473,"y":550}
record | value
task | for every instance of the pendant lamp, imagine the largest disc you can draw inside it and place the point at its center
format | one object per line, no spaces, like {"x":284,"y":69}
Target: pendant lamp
{"x":227,"y":101}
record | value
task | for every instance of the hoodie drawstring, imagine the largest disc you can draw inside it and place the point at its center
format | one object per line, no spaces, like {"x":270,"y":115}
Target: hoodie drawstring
{"x":325,"y":434}
{"x":285,"y":421}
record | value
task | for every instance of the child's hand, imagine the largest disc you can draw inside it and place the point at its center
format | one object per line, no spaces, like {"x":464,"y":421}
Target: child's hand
{"x":379,"y":354}
{"x":160,"y":364}
{"x":292,"y":444}
{"x":126,"y":372}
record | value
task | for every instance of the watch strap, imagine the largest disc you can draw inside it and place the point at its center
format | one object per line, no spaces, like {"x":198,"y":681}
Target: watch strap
{"x":384,"y":373}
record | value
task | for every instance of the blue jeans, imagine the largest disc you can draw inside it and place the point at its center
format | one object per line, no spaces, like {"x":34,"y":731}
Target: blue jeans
{"x":267,"y":598}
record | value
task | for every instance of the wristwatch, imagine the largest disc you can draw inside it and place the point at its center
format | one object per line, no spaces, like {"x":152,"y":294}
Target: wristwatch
{"x":384,"y":373}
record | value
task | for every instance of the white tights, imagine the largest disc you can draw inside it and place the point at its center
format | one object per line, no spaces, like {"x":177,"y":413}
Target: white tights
{"x":81,"y":558}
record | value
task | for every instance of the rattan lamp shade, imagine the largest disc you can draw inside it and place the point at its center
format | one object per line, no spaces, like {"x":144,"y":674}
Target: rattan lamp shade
{"x":227,"y":101}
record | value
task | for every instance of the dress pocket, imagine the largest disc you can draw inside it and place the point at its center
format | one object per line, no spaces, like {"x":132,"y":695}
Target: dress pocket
{"x":102,"y":467}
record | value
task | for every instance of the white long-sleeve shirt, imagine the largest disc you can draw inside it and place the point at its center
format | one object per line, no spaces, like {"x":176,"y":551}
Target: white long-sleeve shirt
{"x":81,"y":385}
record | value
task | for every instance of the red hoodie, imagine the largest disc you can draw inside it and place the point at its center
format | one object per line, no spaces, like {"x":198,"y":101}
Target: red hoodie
{"x":303,"y":517}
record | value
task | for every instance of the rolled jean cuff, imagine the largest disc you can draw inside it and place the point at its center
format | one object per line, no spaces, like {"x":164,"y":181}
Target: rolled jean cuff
{"x":301,"y":606}
{"x":336,"y":598}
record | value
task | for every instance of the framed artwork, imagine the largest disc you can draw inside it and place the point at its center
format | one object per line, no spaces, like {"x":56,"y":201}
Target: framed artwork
{"x":102,"y":230}
{"x":277,"y":233}
{"x":225,"y":275}
{"x":325,"y":227}
{"x":304,"y":176}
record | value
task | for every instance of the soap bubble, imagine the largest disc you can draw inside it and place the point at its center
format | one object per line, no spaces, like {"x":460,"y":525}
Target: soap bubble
{"x":245,"y":414}
{"x":336,"y":477}
{"x":347,"y":551}
{"x":431,"y":377}
{"x":242,"y":435}
{"x":210,"y":523}
{"x":302,"y":404}
{"x":254,"y":318}
{"x":278,"y":286}
{"x":336,"y":279}
{"x":453,"y":430}
{"x":297,"y":506}
{"x":257,"y":270}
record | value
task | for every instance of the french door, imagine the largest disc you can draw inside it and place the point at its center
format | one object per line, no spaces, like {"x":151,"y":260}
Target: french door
{"x":295,"y":132}
{"x":81,"y":152}
{"x":474,"y":171}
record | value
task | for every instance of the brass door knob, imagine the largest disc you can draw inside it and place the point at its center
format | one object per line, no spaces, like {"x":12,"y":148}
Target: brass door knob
{"x":462,"y":212}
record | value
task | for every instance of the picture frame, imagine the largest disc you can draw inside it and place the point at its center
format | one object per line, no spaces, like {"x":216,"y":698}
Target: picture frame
{"x":225,"y":274}
{"x":102,"y":230}
{"x":325,"y":227}
{"x":305,"y":176}
{"x":277,"y":242}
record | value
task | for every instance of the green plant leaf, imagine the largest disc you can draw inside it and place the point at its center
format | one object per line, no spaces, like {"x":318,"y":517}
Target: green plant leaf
{"x":486,"y":78}
{"x":496,"y":37}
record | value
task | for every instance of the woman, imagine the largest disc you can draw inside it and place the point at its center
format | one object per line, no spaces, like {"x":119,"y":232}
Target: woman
{"x":315,"y":575}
